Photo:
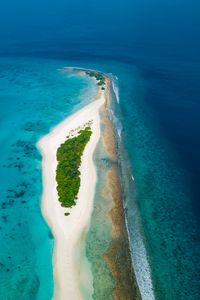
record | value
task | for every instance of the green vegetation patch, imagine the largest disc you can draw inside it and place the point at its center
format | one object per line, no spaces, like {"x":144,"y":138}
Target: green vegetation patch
{"x":69,"y":159}
{"x":98,"y":76}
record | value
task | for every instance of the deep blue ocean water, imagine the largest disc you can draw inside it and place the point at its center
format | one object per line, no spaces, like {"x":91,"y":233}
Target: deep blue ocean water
{"x":153,"y":49}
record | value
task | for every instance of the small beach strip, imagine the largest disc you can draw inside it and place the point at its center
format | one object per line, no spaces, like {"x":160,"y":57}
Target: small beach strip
{"x":69,"y":228}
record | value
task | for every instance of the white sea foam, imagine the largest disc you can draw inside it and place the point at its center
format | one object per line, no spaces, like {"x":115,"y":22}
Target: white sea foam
{"x":117,"y":123}
{"x":138,"y":251}
{"x":115,"y":86}
{"x":140,"y":261}
{"x":143,"y":273}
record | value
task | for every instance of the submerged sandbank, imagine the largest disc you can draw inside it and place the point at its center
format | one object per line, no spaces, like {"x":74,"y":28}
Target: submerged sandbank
{"x":118,"y":255}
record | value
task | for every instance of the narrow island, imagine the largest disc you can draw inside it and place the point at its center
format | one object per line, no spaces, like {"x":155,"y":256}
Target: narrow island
{"x":69,"y":189}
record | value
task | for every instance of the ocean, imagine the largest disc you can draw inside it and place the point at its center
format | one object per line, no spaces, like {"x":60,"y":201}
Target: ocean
{"x":152,"y":52}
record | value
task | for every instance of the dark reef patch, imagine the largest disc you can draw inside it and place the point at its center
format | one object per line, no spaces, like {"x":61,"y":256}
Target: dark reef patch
{"x":37,"y":126}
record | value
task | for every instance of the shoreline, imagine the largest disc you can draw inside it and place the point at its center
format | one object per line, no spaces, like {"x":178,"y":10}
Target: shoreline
{"x":118,"y":256}
{"x":72,"y":271}
{"x":66,"y":230}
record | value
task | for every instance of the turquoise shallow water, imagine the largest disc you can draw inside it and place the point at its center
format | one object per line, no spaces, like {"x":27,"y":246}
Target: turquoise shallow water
{"x":34,"y":97}
{"x":158,"y":189}
{"x":99,"y":235}
{"x":162,"y":224}
{"x":153,"y":47}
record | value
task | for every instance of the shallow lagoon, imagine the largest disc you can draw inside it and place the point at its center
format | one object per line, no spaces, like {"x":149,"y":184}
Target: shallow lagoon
{"x":161,"y":196}
{"x":35,"y":96}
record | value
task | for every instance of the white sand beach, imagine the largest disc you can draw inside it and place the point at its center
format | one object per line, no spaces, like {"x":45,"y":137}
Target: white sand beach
{"x":69,"y":267}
